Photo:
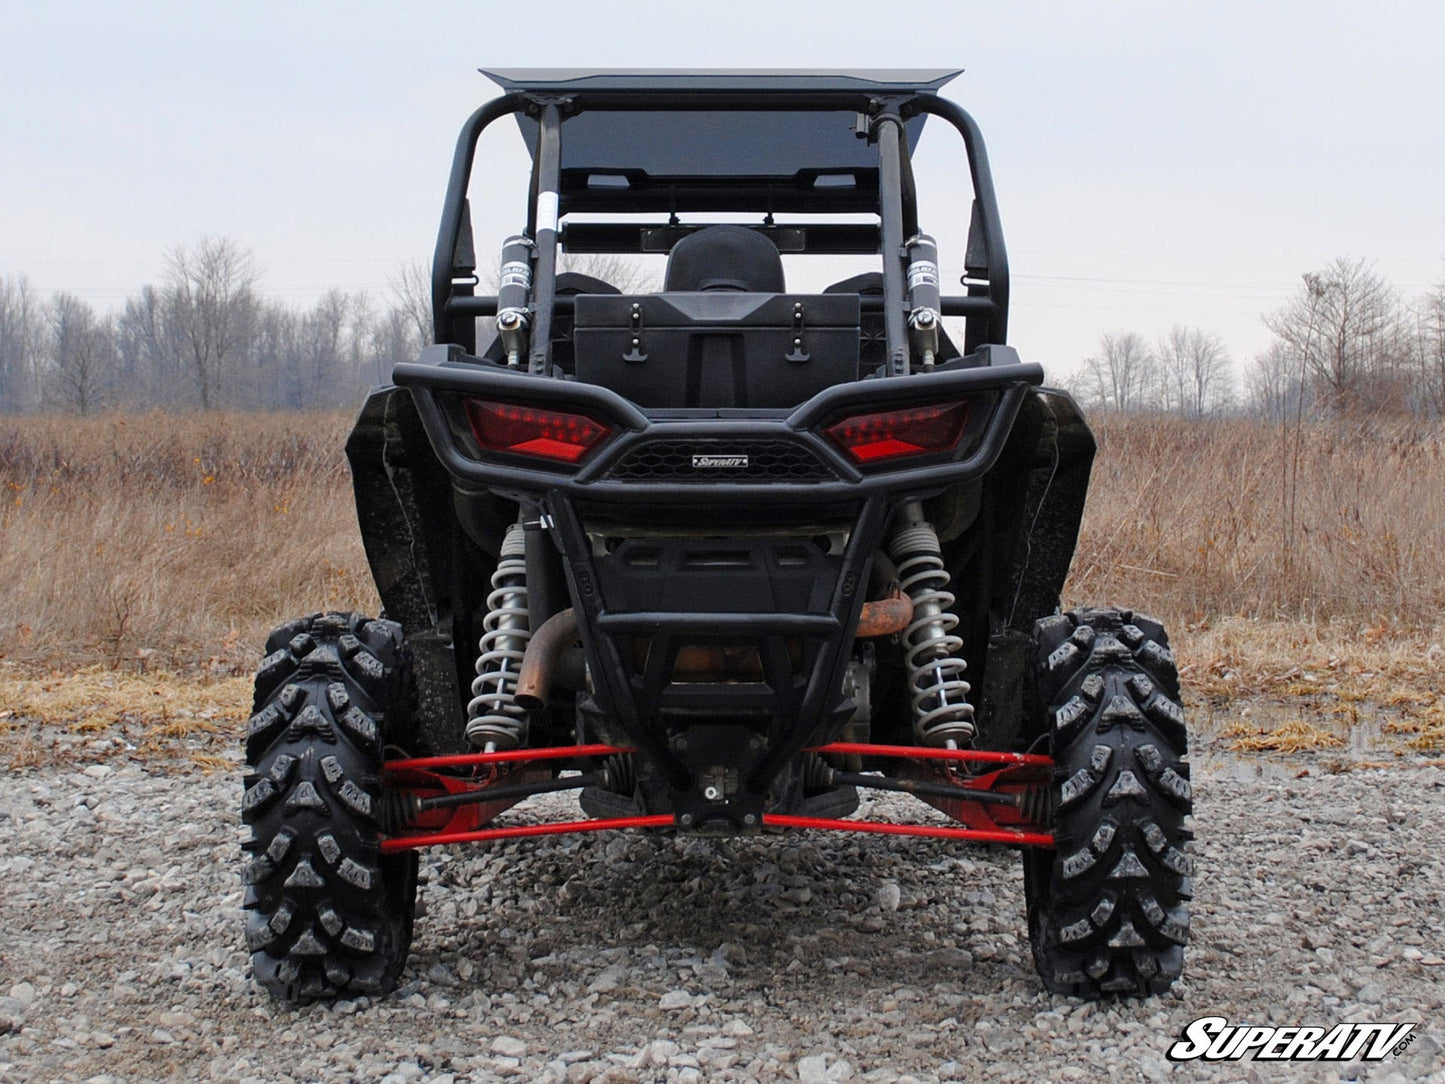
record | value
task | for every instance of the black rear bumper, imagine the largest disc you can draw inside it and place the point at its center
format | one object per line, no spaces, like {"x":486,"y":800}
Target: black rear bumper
{"x":767,"y":566}
{"x":796,"y":462}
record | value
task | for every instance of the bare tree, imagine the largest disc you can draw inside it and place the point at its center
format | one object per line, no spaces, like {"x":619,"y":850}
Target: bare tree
{"x":411,"y":300}
{"x":1430,"y":350}
{"x":153,"y":369}
{"x":273,"y":350}
{"x":82,"y":356}
{"x":1343,"y":326}
{"x":211,"y":304}
{"x":390,"y":338}
{"x":1276,"y":385}
{"x":627,"y":273}
{"x":20,"y":325}
{"x":319,"y":363}
{"x":1118,"y":377}
{"x":1194,"y":371}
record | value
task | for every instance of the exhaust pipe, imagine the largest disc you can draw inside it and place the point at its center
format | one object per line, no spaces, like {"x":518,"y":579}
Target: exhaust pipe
{"x":555,"y":635}
{"x":885,"y":616}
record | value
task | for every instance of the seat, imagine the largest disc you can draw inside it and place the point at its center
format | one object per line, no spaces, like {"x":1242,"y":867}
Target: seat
{"x":732,"y":258}
{"x":572,"y":283}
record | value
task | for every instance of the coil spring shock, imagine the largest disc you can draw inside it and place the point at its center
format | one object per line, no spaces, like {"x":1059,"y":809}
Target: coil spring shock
{"x":942,"y":716}
{"x":495,"y":720}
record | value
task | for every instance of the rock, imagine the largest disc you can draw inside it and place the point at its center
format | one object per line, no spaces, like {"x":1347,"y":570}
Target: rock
{"x":608,"y":980}
{"x":1372,"y":993}
{"x":813,"y":1069}
{"x":132,"y":935}
{"x":23,"y":994}
{"x":889,"y":896}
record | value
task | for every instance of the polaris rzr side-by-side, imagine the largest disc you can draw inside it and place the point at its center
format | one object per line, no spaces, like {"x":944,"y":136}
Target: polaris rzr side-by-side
{"x":718,"y":556}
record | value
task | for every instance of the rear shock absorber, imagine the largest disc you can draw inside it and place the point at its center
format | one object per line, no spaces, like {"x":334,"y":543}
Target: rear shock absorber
{"x":512,"y":294}
{"x":495,"y":721}
{"x":924,"y":301}
{"x":942,"y":716}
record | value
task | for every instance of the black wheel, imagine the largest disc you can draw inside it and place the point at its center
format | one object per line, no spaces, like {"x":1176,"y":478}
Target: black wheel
{"x":1107,"y":907}
{"x":329,"y":915}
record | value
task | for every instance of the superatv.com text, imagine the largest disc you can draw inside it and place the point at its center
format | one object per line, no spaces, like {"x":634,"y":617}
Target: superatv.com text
{"x":1214,"y":1038}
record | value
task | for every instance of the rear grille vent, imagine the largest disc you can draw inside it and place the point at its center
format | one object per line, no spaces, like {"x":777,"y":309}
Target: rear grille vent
{"x":743,"y":462}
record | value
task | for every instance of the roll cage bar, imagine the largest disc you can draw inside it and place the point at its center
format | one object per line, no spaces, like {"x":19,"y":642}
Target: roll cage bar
{"x":883,"y":108}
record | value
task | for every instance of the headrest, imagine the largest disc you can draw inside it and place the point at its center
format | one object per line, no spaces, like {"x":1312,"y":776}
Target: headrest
{"x":725,"y":258}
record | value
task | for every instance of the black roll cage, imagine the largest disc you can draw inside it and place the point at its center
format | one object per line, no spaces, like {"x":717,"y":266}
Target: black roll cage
{"x":455,"y":305}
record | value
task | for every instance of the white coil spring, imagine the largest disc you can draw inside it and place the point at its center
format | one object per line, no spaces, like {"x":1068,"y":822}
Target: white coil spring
{"x":495,"y":720}
{"x":942,"y":716}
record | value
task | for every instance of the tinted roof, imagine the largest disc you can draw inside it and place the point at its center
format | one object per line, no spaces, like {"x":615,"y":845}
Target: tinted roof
{"x":645,"y":158}
{"x":894,"y":80}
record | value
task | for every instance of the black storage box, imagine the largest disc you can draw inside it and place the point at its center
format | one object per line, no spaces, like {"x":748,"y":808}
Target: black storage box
{"x":717,"y":348}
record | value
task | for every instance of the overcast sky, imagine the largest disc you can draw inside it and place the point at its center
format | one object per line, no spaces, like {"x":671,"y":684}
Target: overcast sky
{"x":1156,"y":163}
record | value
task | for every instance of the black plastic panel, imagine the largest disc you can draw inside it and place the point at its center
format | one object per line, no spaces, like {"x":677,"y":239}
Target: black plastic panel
{"x":775,"y":462}
{"x":720,"y":349}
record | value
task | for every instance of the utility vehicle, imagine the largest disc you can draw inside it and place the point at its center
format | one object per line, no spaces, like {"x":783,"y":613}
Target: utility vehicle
{"x":719,"y":555}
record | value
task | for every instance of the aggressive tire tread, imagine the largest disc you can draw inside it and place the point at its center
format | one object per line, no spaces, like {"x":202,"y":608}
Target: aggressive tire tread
{"x":330,"y":916}
{"x":1107,"y":908}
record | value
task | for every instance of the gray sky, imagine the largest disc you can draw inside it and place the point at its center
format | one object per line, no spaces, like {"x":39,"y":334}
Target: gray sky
{"x":1156,"y":163}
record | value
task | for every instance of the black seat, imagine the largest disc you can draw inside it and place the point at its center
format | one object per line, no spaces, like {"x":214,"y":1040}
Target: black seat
{"x":725,"y":258}
{"x":572,"y":283}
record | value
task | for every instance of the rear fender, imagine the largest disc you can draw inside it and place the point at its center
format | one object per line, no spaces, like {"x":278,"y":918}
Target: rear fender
{"x":415,"y":547}
{"x":1013,"y":562}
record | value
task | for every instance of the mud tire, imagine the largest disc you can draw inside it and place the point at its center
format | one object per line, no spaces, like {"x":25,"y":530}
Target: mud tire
{"x":1108,"y":907}
{"x":329,"y":915}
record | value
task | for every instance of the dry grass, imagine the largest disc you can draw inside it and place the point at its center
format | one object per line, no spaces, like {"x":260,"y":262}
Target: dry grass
{"x":1341,"y":660}
{"x":1307,"y":569}
{"x":95,"y":714}
{"x":93,"y":699}
{"x":172,"y":541}
{"x":1207,"y":519}
{"x":1296,"y":736}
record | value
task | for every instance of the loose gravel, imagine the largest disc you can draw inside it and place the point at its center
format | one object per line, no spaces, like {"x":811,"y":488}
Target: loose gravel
{"x":622,"y":957}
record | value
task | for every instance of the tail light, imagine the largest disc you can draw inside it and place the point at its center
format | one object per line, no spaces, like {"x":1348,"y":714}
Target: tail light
{"x":523,"y":430}
{"x":895,"y":434}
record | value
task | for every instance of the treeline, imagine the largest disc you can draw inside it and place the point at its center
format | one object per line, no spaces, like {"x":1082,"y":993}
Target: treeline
{"x":203,"y":337}
{"x":1347,"y":342}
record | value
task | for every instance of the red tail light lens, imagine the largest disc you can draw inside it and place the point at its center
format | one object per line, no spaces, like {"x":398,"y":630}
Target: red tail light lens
{"x":894,"y":434}
{"x":524,"y":430}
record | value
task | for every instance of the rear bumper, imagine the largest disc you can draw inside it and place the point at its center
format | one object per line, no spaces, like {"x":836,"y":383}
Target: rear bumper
{"x":649,"y":457}
{"x":770,"y":565}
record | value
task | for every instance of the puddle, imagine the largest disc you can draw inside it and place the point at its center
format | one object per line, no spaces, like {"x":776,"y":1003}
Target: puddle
{"x":1361,"y":727}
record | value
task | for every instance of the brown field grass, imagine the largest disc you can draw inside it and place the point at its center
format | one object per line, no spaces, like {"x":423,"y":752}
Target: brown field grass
{"x":1307,"y":567}
{"x":143,"y":541}
{"x":1341,"y":520}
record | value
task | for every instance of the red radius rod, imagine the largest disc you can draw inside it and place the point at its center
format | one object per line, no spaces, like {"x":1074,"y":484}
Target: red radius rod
{"x":770,"y":820}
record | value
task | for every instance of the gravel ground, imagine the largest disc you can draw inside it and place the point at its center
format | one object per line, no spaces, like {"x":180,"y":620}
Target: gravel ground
{"x":629,"y":958}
